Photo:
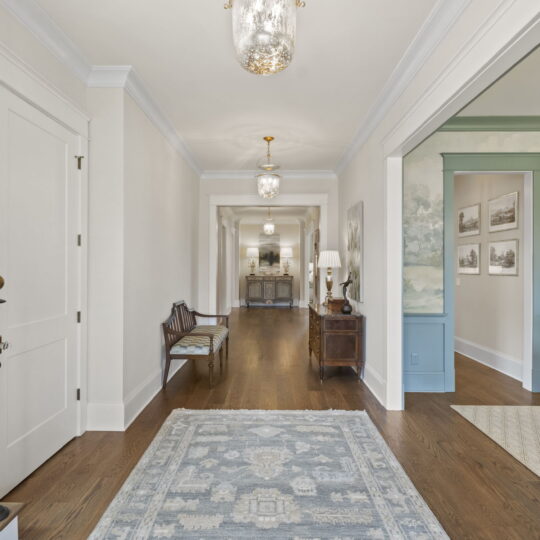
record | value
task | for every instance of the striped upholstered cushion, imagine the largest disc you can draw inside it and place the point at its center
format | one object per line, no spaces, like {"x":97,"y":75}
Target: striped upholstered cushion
{"x":200,"y":344}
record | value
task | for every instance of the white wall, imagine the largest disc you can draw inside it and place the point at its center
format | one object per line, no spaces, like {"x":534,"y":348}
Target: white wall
{"x":489,"y":309}
{"x":160,"y":200}
{"x":143,"y":241}
{"x":289,"y":236}
{"x":105,"y":258}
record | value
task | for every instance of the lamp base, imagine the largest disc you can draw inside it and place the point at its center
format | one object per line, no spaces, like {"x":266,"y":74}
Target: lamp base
{"x":329,"y":285}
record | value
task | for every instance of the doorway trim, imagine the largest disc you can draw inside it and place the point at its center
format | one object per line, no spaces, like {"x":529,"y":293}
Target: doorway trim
{"x":527,"y":164}
{"x":505,"y":41}
{"x":289,"y":199}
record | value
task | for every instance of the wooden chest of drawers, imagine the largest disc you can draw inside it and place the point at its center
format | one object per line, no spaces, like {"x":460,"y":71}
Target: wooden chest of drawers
{"x":269,"y":290}
{"x":336,"y":339}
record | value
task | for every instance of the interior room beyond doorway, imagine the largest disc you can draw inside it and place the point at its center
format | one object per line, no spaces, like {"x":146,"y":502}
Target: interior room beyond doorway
{"x":267,"y":256}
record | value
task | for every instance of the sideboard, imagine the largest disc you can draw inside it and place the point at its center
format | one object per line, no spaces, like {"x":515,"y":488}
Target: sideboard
{"x":336,"y":339}
{"x":269,"y":290}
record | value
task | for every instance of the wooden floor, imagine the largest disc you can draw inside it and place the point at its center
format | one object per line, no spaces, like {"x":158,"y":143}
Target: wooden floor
{"x":473,"y":486}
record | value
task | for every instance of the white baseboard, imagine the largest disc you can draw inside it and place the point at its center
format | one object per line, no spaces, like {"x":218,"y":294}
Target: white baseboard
{"x":501,"y":362}
{"x":236,"y":303}
{"x":119,"y":416}
{"x":375,"y":383}
{"x":105,"y":417}
{"x":143,"y":394}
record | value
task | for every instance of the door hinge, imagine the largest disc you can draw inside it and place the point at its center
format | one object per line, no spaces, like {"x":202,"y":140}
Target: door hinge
{"x":79,"y":240}
{"x":78,"y":394}
{"x":79,"y":161}
{"x":78,"y":316}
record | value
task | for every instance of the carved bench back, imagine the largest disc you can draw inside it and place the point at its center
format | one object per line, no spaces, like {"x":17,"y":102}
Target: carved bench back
{"x":180,"y":321}
{"x":186,"y":317}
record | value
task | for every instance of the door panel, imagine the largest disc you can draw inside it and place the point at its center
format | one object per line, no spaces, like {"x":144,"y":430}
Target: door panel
{"x":39,"y":260}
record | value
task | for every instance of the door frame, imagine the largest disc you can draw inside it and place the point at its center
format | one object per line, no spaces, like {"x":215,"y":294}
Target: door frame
{"x":528,"y":164}
{"x":507,"y":41}
{"x":22,"y":81}
{"x":215,"y":201}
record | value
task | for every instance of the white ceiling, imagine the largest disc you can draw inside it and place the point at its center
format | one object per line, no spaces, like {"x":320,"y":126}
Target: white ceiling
{"x":515,"y":94}
{"x":182,"y":50}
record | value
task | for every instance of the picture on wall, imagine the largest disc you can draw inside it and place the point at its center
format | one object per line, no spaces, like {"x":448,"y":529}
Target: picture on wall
{"x":355,"y":251}
{"x":503,"y":213}
{"x":503,"y":258}
{"x":469,"y":259}
{"x":469,"y":220}
{"x":269,"y":252}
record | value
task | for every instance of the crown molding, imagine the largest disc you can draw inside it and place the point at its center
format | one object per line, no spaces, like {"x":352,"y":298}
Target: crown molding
{"x":108,"y":76}
{"x":126,"y":77}
{"x":492,"y":123}
{"x":39,"y":23}
{"x":287,"y":174}
{"x":434,"y":29}
{"x":136,"y":89}
{"x":35,"y":19}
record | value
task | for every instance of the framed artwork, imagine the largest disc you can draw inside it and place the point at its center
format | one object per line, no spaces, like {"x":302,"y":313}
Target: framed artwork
{"x":269,"y":252}
{"x":503,"y":258}
{"x":355,"y":251}
{"x":469,"y":220}
{"x":469,"y":259}
{"x":503,"y":212}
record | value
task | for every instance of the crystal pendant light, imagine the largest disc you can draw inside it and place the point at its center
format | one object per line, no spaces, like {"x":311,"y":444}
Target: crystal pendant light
{"x":268,"y":181}
{"x":269,"y":226}
{"x":264,"y":33}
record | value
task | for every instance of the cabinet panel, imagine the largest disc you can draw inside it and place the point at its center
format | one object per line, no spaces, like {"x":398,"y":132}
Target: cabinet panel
{"x":284,"y":289}
{"x":269,"y":290}
{"x":254,"y":289}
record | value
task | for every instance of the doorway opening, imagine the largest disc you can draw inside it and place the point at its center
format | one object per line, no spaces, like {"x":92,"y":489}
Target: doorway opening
{"x":464,"y":274}
{"x":267,"y":256}
{"x":493,"y":264}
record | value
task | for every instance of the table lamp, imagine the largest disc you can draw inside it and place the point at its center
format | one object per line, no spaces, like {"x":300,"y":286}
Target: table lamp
{"x":329,"y":259}
{"x":253,"y":254}
{"x":286,"y":254}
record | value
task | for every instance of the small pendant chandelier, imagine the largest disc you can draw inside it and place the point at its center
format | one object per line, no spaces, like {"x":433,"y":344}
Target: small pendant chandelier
{"x":268,"y":181}
{"x":269,"y":226}
{"x":264,"y":33}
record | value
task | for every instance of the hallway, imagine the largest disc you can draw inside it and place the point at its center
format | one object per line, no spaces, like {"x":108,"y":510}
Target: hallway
{"x":473,"y":486}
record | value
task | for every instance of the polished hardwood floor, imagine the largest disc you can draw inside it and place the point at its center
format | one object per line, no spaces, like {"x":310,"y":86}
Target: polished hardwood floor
{"x":476,"y":490}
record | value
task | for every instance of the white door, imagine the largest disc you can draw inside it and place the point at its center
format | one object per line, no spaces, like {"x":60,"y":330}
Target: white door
{"x":39,"y":261}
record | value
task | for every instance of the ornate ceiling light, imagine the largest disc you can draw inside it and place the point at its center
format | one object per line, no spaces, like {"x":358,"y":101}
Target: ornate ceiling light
{"x":269,"y":226}
{"x":268,"y":181}
{"x":264,"y":33}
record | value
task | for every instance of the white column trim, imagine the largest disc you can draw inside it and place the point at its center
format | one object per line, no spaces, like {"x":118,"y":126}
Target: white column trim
{"x":394,"y":279}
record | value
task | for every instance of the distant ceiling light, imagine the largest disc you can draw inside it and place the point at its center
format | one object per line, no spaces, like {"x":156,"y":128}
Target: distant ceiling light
{"x":268,"y":181}
{"x":264,"y":33}
{"x":269,"y":227}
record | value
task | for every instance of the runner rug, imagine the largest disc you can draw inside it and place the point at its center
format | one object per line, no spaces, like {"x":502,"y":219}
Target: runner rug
{"x":515,"y":428}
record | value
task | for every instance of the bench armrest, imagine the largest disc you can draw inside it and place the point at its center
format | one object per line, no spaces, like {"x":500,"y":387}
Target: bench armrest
{"x":225,"y":317}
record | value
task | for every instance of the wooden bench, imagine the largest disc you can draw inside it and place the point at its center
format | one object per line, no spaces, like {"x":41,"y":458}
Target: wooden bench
{"x":185,"y":339}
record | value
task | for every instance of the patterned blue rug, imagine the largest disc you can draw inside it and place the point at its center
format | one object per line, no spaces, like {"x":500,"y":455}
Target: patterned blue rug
{"x":268,"y":474}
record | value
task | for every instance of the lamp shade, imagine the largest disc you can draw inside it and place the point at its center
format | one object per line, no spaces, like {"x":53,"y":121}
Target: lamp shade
{"x":252,"y":252}
{"x":286,"y":252}
{"x":329,"y":259}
